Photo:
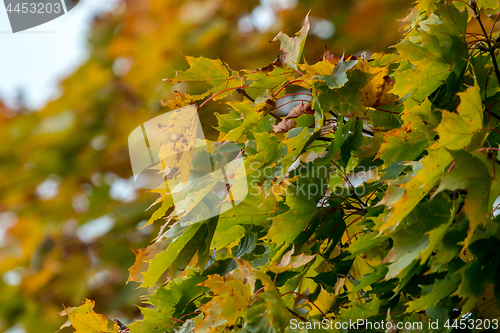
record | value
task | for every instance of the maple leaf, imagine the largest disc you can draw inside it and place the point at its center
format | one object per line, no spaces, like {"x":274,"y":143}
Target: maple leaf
{"x":143,"y":257}
{"x":403,"y":144}
{"x":176,"y":153}
{"x":267,"y":80}
{"x":377,"y":91}
{"x":292,"y":47}
{"x":425,"y":227}
{"x":469,"y":173}
{"x":288,"y":262}
{"x":233,"y":295}
{"x":164,"y":259}
{"x":316,"y":71}
{"x":214,"y":72}
{"x":179,"y":101}
{"x":338,"y":77}
{"x":85,"y":320}
{"x":427,"y":176}
{"x":421,"y":80}
{"x":457,"y":130}
{"x":246,"y":111}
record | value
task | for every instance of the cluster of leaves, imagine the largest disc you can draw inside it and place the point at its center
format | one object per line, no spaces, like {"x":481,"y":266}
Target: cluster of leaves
{"x":419,"y":240}
{"x":76,"y":145}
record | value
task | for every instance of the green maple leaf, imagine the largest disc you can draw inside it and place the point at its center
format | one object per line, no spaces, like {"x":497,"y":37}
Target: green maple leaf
{"x":255,"y":209}
{"x":250,"y":119}
{"x":411,"y":238}
{"x":426,"y":177}
{"x":488,"y":4}
{"x":228,"y":121}
{"x":401,"y":144}
{"x":361,"y":309}
{"x":271,"y":81}
{"x":408,"y":141}
{"x":292,"y":47}
{"x":276,"y":309}
{"x":339,"y":76}
{"x":345,"y":100}
{"x":446,"y":21}
{"x":433,"y":294}
{"x":429,"y":71}
{"x":471,"y":173}
{"x":214,"y":72}
{"x":457,"y":130}
{"x":426,"y":5}
{"x":163,"y":260}
{"x":482,"y":270}
{"x":167,"y":301}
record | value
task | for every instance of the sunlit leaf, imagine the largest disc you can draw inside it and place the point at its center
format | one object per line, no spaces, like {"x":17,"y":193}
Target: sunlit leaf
{"x":85,"y":320}
{"x":292,"y":47}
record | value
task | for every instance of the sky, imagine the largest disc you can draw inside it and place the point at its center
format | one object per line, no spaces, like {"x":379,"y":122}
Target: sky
{"x":35,"y":60}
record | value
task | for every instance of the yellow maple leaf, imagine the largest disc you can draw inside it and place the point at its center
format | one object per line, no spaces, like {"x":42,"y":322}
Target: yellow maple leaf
{"x":85,"y":320}
{"x":233,"y":295}
{"x":376,"y":92}
{"x":176,"y":154}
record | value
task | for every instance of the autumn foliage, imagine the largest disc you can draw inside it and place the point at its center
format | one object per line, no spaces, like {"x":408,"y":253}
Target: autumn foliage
{"x":416,"y":241}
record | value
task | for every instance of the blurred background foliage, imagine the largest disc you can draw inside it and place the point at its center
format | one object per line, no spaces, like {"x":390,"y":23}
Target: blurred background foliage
{"x":69,"y":211}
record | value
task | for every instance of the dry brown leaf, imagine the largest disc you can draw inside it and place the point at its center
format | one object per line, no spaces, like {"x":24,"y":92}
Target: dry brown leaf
{"x":299,"y":110}
{"x":284,"y":126}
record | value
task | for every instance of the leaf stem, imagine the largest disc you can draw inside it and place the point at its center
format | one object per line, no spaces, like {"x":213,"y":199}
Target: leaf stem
{"x":493,"y":26}
{"x":244,"y":93}
{"x":286,"y":84}
{"x":298,"y":93}
{"x":220,"y":92}
{"x":297,"y":315}
{"x":378,"y":109}
{"x":188,"y":314}
{"x":258,"y":291}
{"x":272,"y":114}
{"x":495,"y":65}
{"x":295,"y":100}
{"x":177,"y":320}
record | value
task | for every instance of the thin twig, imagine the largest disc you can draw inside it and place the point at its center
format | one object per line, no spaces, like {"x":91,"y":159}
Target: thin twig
{"x":490,"y":48}
{"x":493,"y":26}
{"x":244,"y":93}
